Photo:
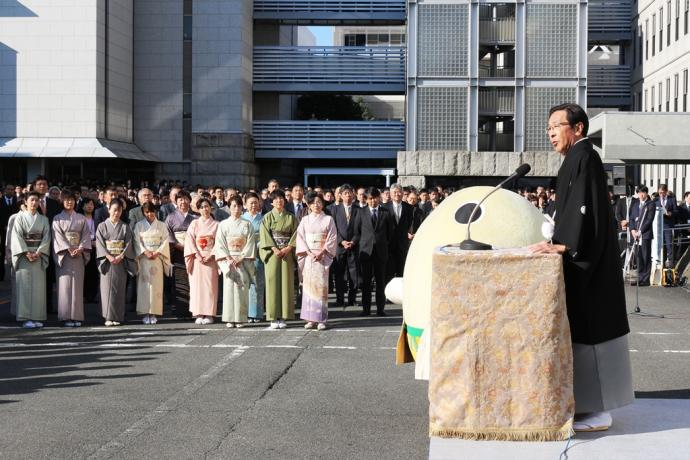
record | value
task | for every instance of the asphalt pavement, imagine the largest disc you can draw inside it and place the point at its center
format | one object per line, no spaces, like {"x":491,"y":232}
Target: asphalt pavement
{"x":178,"y":390}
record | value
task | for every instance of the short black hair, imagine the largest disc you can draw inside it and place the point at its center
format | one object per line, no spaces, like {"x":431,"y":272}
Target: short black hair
{"x":277,"y":193}
{"x":40,"y":177}
{"x":116,"y":201}
{"x":148,"y":207}
{"x":574,"y":113}
{"x":32,"y":193}
{"x":373,"y":192}
{"x":312,"y":196}
{"x":237,"y":200}
{"x":249,"y":195}
{"x":67,"y":194}
{"x":346,"y":187}
{"x":182,"y":194}
{"x":643,"y":188}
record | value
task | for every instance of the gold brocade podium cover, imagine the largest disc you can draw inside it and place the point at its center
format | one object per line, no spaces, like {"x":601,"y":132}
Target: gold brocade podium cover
{"x":501,"y":353}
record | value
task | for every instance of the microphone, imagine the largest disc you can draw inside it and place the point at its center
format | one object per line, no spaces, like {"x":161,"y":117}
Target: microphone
{"x":469,"y":244}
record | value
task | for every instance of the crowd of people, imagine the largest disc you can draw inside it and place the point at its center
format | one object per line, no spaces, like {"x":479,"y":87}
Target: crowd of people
{"x":257,"y":253}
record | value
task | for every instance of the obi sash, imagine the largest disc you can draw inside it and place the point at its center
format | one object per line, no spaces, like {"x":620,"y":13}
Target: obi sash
{"x":205,"y":242}
{"x":236,"y":244}
{"x":33,"y":239}
{"x":282,"y":239}
{"x":74,"y":239}
{"x":315,"y":240}
{"x":151,"y":242}
{"x":115,"y":247}
{"x":180,"y":236}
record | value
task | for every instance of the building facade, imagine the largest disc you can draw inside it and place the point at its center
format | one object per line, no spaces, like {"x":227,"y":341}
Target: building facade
{"x":661,"y":50}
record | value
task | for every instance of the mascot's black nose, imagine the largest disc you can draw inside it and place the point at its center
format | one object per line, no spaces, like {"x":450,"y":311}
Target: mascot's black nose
{"x":462,"y":215}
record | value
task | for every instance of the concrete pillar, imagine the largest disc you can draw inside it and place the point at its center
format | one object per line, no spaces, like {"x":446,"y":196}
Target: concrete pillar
{"x":412,"y":181}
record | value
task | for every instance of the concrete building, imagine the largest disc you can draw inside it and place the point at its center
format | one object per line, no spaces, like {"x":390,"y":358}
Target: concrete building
{"x":661,"y":53}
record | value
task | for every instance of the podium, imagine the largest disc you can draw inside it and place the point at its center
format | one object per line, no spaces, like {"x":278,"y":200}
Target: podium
{"x":501,"y":352}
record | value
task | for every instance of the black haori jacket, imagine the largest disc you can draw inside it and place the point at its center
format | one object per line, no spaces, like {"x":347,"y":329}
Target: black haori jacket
{"x":595,"y":295}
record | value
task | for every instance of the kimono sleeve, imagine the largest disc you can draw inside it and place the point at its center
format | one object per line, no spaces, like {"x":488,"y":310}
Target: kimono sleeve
{"x":331,"y":238}
{"x":221,"y":250}
{"x":249,"y":251}
{"x":190,"y":250}
{"x":293,"y":229}
{"x":44,"y":247}
{"x":85,"y":241}
{"x":266,"y":240}
{"x":164,"y":249}
{"x":17,"y":242}
{"x":300,"y":237}
{"x":60,"y":243}
{"x":101,"y":251}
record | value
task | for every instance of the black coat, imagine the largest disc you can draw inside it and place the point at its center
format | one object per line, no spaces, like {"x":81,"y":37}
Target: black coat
{"x":346,"y":231}
{"x":672,"y":207}
{"x":378,"y":238}
{"x":595,"y":296}
{"x":402,"y":227}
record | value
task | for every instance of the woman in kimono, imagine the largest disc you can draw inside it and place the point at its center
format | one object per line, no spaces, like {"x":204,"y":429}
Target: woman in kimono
{"x":235,"y":251}
{"x":316,"y":245}
{"x":30,"y":245}
{"x":91,"y":271}
{"x":153,"y":256}
{"x":201,"y":264}
{"x":277,"y":235}
{"x":178,"y":222}
{"x":115,"y":253}
{"x":8,"y":256}
{"x":257,"y":288}
{"x":71,"y":252}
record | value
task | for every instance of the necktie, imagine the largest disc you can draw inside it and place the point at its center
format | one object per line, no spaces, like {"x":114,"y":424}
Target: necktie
{"x":397,"y":213}
{"x":373,"y":217}
{"x":43,"y":206}
{"x":347,"y":214}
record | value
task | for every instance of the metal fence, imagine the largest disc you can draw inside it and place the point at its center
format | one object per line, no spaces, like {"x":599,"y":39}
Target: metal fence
{"x":337,"y":139}
{"x":332,"y":67}
{"x":497,"y":101}
{"x":609,"y":17}
{"x":608,"y":81}
{"x":497,"y":31}
{"x":330,"y":9}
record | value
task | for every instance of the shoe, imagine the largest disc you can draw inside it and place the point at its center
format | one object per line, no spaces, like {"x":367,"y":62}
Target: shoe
{"x":68,"y":324}
{"x":322,"y":327}
{"x":365,"y":312}
{"x":596,"y":421}
{"x":230,"y":325}
{"x":29,"y":325}
{"x":115,"y":323}
{"x":239,"y":325}
{"x":381,"y":313}
{"x":274,"y":325}
{"x":199,"y":320}
{"x":77,"y":324}
{"x":153,"y":319}
{"x":109,"y":323}
{"x":281,"y":324}
{"x":339,"y":303}
{"x":207,"y":320}
{"x":146,"y":320}
{"x":309,"y":325}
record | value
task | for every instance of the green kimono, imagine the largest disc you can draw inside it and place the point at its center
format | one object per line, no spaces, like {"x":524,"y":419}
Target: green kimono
{"x":30,"y":233}
{"x":279,"y":230}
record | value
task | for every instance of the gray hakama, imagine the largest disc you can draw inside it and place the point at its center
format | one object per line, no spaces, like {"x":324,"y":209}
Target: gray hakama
{"x":30,"y":233}
{"x":70,"y":232}
{"x":602,"y":378}
{"x":114,"y":239}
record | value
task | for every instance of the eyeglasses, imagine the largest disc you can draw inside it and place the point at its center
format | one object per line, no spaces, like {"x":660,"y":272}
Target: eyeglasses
{"x":555,"y":127}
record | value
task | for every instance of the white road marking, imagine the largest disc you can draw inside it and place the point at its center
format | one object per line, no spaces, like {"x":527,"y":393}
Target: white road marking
{"x":333,"y":347}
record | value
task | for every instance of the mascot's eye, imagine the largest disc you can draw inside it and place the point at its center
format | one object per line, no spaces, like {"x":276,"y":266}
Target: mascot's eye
{"x":462,"y":215}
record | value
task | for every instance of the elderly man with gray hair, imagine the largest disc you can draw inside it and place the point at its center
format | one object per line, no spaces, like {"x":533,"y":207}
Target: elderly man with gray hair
{"x":145,"y":195}
{"x":405,"y":227}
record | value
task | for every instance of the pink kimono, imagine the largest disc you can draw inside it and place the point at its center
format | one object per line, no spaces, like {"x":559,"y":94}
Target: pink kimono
{"x":203,"y":277}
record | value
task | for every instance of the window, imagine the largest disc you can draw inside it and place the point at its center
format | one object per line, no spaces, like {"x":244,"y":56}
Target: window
{"x":634,"y":47}
{"x":661,"y":28}
{"x":355,"y":39}
{"x":685,"y":17}
{"x":668,"y":94}
{"x":646,"y":101}
{"x":668,"y":23}
{"x":646,"y":39}
{"x":660,"y":96}
{"x":654,"y":35}
{"x":675,"y":92}
{"x":639,"y":101}
{"x":677,"y":19}
{"x":685,"y":90}
{"x":651,"y":103}
{"x":187,"y":27}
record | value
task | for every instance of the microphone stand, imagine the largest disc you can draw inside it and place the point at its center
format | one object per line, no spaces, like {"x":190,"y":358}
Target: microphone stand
{"x":636,"y":247}
{"x":469,"y":244}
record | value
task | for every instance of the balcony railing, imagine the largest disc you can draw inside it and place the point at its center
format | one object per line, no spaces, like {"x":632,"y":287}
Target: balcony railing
{"x":485,"y":71}
{"x":502,"y":142}
{"x":499,"y":31}
{"x":329,"y":10}
{"x":609,"y":19}
{"x":608,"y":86}
{"x":496,"y":101}
{"x":345,"y":69}
{"x":328,"y":139}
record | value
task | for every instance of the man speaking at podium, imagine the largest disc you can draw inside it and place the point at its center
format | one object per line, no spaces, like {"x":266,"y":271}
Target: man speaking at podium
{"x":585,"y":234}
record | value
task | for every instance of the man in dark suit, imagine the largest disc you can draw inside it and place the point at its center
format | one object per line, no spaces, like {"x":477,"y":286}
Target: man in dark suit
{"x":8,"y":206}
{"x":267,"y":205}
{"x":102,"y":213}
{"x":346,"y":264}
{"x":297,"y":205}
{"x":404,"y":228}
{"x":376,"y":226}
{"x":145,"y":195}
{"x":641,"y":227}
{"x":49,"y":208}
{"x":168,"y":208}
{"x":670,"y":210}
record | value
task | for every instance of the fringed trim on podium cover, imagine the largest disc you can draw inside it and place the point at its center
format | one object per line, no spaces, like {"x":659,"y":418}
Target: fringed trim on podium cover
{"x":507,"y":434}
